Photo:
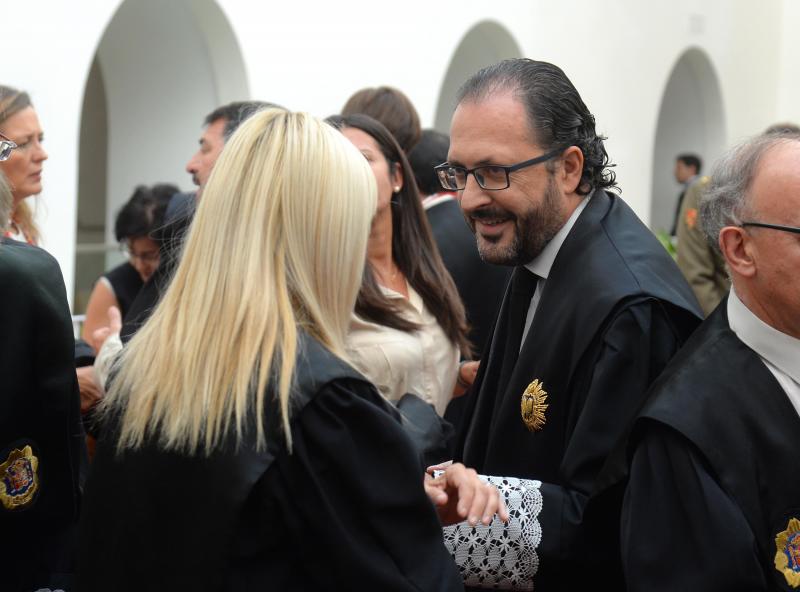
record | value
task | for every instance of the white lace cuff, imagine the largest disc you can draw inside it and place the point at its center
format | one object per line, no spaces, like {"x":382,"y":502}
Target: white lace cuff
{"x":501,"y":556}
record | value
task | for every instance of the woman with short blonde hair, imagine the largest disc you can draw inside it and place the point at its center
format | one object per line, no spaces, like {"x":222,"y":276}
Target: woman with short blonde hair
{"x":236,"y":434}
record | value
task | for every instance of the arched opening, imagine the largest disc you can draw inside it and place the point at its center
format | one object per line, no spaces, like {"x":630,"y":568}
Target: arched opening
{"x":691,"y":120}
{"x":159,"y":68}
{"x":484,"y":44}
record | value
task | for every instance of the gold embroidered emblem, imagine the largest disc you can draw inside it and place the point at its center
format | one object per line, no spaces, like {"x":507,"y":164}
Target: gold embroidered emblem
{"x":533,"y":406}
{"x":19,"y":479}
{"x":787,"y":557}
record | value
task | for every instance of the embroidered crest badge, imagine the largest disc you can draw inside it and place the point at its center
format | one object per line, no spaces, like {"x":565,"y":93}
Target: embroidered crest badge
{"x":787,"y":556}
{"x":533,"y":406}
{"x":19,"y":479}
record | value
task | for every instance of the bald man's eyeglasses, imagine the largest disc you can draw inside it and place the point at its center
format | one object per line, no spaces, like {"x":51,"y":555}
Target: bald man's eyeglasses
{"x":6,"y":146}
{"x":792,"y":229}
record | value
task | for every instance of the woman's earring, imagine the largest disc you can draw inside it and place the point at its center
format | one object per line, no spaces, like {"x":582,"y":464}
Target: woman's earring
{"x":397,"y":188}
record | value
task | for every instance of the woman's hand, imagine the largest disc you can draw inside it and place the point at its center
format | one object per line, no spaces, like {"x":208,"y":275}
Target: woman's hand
{"x":114,"y":326}
{"x":459,"y":495}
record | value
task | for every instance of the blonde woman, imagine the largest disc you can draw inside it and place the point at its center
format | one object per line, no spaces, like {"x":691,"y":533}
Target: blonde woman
{"x":241,"y":450}
{"x":23,"y":169}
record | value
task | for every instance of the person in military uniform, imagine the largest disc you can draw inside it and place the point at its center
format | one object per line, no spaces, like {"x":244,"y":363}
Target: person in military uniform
{"x":244,"y":452}
{"x":42,"y":445}
{"x":701,"y":264}
{"x":595,"y":309}
{"x":713,"y":497}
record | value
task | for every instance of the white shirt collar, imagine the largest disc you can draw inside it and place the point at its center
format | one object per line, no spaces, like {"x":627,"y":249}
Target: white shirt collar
{"x":777,"y":348}
{"x":543,"y":262}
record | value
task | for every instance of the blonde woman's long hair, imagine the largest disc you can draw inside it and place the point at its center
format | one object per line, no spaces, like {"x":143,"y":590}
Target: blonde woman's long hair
{"x":277,"y":245}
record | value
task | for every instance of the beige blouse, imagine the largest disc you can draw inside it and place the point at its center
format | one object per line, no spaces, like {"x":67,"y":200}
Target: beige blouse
{"x":424,"y":362}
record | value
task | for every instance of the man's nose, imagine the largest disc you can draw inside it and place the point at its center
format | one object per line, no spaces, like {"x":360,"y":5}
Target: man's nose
{"x":191,"y":167}
{"x":473,"y":196}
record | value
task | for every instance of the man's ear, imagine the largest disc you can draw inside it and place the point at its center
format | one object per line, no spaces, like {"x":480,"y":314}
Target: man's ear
{"x":737,"y":248}
{"x":571,"y":169}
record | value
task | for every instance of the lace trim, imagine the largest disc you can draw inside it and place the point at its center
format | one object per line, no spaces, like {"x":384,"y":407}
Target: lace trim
{"x":501,"y":556}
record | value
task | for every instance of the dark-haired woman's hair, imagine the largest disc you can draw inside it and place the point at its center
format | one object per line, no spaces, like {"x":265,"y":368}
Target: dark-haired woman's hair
{"x":392,"y":108}
{"x":413,"y":249}
{"x":557,"y":116}
{"x":144,"y":212}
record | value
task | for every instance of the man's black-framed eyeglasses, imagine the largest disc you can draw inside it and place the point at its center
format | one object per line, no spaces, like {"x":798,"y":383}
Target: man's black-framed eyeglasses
{"x":793,"y":229}
{"x":6,"y":146}
{"x":491,"y":177}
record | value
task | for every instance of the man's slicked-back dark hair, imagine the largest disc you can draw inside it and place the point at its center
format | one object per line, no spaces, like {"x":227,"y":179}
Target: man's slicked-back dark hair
{"x":235,"y":113}
{"x":557,"y":116}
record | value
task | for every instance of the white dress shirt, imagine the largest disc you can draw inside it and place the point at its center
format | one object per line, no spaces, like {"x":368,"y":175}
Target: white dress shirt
{"x":779,"y":352}
{"x":543,"y":263}
{"x":422,"y":362}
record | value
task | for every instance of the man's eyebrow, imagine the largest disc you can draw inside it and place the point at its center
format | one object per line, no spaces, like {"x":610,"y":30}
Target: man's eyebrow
{"x":481,"y":162}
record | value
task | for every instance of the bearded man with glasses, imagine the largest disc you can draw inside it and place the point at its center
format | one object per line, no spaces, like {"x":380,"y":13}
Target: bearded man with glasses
{"x":715,"y":450}
{"x":594,"y":311}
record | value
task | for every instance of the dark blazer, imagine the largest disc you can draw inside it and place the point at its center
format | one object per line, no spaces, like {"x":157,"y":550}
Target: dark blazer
{"x":481,"y":285}
{"x":40,"y":419}
{"x":614,"y":310}
{"x":343,"y":510}
{"x":714,"y":472}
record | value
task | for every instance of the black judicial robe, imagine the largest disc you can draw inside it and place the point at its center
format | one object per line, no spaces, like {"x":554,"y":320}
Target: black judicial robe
{"x":714,"y":478}
{"x":345,"y":510}
{"x":39,"y":416}
{"x":614,"y":310}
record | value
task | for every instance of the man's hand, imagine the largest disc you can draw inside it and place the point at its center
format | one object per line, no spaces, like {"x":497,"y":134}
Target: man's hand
{"x":100,"y":335}
{"x":91,"y":392}
{"x":459,"y":495}
{"x":467,"y":371}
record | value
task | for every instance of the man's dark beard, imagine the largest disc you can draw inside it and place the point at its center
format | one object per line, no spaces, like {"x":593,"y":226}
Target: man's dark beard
{"x":532,"y":230}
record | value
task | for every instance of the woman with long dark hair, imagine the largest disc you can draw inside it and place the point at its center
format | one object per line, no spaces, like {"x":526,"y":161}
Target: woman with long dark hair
{"x":409,"y":329}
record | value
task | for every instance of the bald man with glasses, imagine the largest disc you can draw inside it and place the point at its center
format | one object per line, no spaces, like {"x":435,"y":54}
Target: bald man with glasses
{"x":714,"y":485}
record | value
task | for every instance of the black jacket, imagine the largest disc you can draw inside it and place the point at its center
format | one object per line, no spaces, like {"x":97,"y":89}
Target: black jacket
{"x":614,"y":309}
{"x":714,"y":471}
{"x":344,"y":510}
{"x":39,"y":412}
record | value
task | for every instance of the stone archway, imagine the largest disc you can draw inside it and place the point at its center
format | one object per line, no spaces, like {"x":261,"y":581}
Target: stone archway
{"x":159,"y":68}
{"x":691,"y":119}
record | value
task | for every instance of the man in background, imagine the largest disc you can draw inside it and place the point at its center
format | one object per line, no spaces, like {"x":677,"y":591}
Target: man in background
{"x":687,"y":167}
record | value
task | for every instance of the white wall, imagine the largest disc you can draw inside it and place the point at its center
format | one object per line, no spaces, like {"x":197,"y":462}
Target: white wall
{"x":310,"y":55}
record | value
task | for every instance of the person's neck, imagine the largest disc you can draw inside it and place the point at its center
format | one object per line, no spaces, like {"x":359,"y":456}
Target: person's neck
{"x":379,"y":245}
{"x":762,"y":308}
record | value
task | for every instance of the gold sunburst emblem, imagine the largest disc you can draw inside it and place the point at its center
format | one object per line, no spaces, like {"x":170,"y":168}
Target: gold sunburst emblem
{"x":533,"y":406}
{"x":787,"y":556}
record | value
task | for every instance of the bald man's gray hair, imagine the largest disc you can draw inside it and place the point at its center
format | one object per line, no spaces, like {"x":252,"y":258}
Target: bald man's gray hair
{"x":6,"y":204}
{"x":726,"y":200}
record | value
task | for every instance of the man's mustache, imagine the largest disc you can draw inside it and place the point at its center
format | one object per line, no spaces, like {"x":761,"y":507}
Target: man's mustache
{"x":491,"y":214}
